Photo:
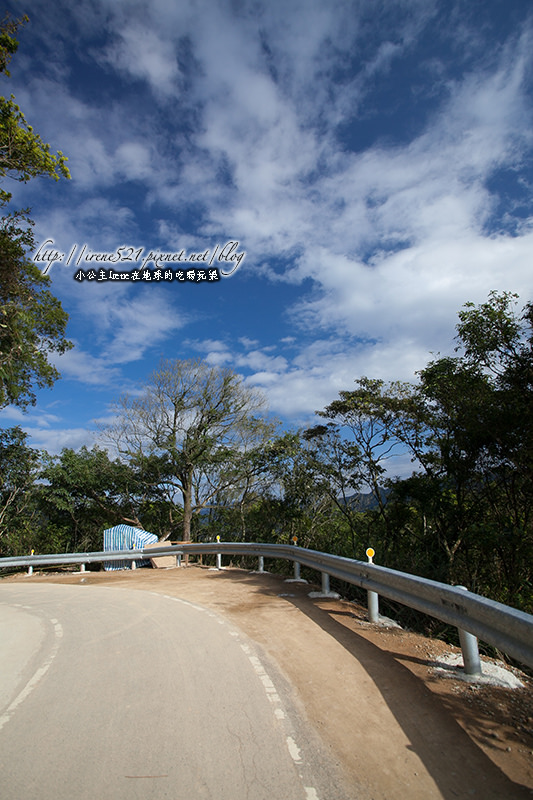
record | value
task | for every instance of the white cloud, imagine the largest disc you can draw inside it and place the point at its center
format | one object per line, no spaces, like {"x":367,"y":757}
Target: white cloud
{"x":144,"y":55}
{"x":248,"y":343}
{"x":128,"y":326}
{"x":414,"y":294}
{"x":215,"y":352}
{"x":134,"y":160}
{"x":53,"y":441}
{"x":44,"y":430}
{"x":99,"y":223}
{"x":78,"y":365}
{"x":12,"y":416}
{"x":126,"y":323}
{"x":392,"y":240}
{"x":261,"y":361}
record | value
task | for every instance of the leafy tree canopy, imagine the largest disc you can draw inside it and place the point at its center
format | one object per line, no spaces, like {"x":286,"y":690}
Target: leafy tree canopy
{"x":8,"y":43}
{"x":23,"y":154}
{"x":18,"y":472}
{"x":32,"y":321}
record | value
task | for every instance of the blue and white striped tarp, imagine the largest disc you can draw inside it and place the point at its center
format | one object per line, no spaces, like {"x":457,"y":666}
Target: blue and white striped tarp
{"x":126,"y":537}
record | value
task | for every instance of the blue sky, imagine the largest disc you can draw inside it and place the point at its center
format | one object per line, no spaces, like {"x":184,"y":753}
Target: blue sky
{"x":372,"y":159}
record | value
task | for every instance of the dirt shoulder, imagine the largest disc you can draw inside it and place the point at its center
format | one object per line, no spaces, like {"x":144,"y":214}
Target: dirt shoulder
{"x":396,"y":727}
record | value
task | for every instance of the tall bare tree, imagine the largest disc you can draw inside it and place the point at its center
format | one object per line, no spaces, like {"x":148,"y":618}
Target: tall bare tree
{"x":192,"y":425}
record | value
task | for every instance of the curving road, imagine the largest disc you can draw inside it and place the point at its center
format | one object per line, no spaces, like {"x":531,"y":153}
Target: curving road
{"x":112,"y":693}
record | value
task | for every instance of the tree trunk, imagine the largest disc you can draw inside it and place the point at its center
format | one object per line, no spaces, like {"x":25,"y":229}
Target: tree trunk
{"x":187,"y":509}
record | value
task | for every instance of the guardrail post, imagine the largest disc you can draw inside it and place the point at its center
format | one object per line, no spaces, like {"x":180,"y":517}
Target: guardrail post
{"x":325,"y":591}
{"x":297,"y":577}
{"x":261,"y":564}
{"x":296,"y":563}
{"x":469,"y":648}
{"x":82,"y":567}
{"x":372,"y":597}
{"x":30,"y":568}
{"x":373,"y":606}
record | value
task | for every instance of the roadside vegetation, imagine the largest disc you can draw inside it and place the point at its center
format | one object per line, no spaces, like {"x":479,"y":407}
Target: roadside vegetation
{"x":195,"y":455}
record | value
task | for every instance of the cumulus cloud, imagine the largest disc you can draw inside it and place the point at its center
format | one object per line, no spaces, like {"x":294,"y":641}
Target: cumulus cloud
{"x":54,"y":441}
{"x":146,"y":55}
{"x":81,"y":366}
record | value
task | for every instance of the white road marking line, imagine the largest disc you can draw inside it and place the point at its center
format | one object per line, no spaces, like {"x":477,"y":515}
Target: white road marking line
{"x":270,"y":689}
{"x":294,"y":750}
{"x":279,"y":713}
{"x":36,"y":677}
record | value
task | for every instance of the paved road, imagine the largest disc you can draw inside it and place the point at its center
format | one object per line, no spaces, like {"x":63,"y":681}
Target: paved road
{"x":112,"y":693}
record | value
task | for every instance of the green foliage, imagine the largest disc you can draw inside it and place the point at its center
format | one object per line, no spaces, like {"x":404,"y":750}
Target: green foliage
{"x":8,"y":43}
{"x":63,"y":503}
{"x":85,"y":492}
{"x":19,"y":466}
{"x":32,"y":321}
{"x":23,"y":154}
{"x":466,"y":513}
{"x":491,"y":335}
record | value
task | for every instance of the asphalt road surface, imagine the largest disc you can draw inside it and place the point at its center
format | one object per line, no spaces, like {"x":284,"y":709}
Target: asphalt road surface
{"x":112,"y":693}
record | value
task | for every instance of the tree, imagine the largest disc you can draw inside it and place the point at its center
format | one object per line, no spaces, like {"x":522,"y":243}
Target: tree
{"x":480,"y":406}
{"x":8,"y":43}
{"x":19,"y":466}
{"x":32,"y":321}
{"x":195,"y":422}
{"x":300,"y":503}
{"x":243,"y":479}
{"x":365,"y":432}
{"x":336,"y":463}
{"x":467,"y":511}
{"x":23,"y":154}
{"x":497,"y":341}
{"x":83,"y":492}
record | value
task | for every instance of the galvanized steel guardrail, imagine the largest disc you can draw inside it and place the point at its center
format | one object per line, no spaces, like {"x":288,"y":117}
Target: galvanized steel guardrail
{"x":506,"y":628}
{"x":62,"y":559}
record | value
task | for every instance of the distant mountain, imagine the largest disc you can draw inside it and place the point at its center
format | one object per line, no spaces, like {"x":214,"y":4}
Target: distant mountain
{"x":361,"y":501}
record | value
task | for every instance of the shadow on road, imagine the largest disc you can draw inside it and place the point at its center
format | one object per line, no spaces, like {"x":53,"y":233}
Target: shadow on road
{"x":455,"y":762}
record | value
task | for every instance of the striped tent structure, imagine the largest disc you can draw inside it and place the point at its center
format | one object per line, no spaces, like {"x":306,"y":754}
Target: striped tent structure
{"x":126,"y":537}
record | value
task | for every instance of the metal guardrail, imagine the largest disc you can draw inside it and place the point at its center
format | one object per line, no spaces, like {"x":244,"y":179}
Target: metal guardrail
{"x":506,"y":628}
{"x":59,"y":559}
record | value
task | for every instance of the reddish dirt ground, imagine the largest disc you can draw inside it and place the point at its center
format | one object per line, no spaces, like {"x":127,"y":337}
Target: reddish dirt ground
{"x":396,"y":728}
